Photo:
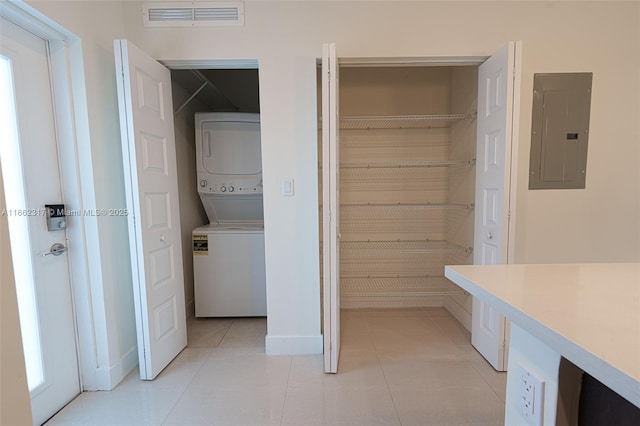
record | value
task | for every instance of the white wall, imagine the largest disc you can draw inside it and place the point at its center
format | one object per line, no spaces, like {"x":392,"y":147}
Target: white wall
{"x":602,"y":222}
{"x":599,"y":223}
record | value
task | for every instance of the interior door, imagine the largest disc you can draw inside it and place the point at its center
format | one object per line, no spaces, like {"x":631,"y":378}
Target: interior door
{"x":496,"y":92}
{"x":330,"y":208}
{"x":29,"y":155}
{"x":149,"y":157}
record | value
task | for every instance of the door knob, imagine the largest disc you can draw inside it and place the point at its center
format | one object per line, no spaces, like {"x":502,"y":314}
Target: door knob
{"x":56,"y":250}
{"x":490,"y":236}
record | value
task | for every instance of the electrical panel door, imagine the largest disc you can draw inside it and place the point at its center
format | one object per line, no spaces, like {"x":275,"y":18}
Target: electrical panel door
{"x":560,"y":130}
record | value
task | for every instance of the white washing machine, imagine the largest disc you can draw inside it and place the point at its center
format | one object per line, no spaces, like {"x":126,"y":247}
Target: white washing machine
{"x":228,"y":254}
{"x":229,"y":272}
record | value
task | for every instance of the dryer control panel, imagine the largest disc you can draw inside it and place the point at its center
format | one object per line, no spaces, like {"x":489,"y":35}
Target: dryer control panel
{"x":229,"y":186}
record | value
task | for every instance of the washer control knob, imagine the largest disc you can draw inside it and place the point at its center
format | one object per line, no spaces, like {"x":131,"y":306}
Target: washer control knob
{"x":231,"y":189}
{"x":203,"y":183}
{"x":223,"y":188}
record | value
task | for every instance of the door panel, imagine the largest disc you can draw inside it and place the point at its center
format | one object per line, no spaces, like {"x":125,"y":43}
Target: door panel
{"x":330,"y":210}
{"x":148,"y":145}
{"x":493,"y":176}
{"x":29,"y":154}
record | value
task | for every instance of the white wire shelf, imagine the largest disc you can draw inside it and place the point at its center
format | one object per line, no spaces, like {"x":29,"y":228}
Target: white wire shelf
{"x":394,"y":302}
{"x":396,"y":259}
{"x":397,"y":207}
{"x":402,"y":121}
{"x":398,"y":287}
{"x":393,"y":179}
{"x":389,"y":248}
{"x":392,"y":268}
{"x":421,"y":140}
{"x":402,"y":164}
{"x":407,"y":164}
{"x":396,"y":221}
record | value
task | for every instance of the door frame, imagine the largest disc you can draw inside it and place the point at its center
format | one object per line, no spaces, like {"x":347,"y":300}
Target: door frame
{"x":452,"y":61}
{"x":74,"y":152}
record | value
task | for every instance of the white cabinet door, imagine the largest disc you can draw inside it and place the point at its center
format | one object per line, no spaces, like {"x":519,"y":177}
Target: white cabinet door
{"x":496,"y":91}
{"x":149,"y":157}
{"x":31,"y":172}
{"x":330,"y":208}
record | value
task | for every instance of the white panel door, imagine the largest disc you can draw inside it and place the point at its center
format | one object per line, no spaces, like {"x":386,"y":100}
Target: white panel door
{"x":496,"y":94}
{"x":29,"y":153}
{"x":149,"y":157}
{"x":330,"y":208}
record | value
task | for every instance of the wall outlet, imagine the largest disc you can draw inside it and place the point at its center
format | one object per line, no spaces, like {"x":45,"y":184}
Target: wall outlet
{"x":530,"y":396}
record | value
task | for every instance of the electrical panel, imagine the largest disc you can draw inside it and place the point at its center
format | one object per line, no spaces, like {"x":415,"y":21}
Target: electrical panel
{"x":560,"y":130}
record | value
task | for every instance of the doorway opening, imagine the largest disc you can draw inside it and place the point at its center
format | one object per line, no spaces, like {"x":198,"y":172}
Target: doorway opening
{"x":407,"y":174}
{"x":401,"y":193}
{"x":231,"y":89}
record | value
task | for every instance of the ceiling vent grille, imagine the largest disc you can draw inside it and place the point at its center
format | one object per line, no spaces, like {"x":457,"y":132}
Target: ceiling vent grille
{"x":193,"y":14}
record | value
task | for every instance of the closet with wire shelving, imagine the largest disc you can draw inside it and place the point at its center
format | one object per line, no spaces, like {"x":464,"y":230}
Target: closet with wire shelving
{"x":406,"y":184}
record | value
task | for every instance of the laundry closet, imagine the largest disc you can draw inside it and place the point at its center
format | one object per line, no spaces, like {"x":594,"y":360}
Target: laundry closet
{"x":406,"y":183}
{"x":217,"y":126}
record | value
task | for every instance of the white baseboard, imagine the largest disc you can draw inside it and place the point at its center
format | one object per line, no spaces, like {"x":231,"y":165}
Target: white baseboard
{"x":458,"y":313}
{"x":293,"y":345}
{"x":107,"y":379}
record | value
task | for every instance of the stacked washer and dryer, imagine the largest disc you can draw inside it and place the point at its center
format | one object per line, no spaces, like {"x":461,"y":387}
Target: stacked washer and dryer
{"x":228,"y":253}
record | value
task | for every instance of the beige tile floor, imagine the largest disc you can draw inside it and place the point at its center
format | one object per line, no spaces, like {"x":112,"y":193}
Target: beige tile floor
{"x":397,"y":367}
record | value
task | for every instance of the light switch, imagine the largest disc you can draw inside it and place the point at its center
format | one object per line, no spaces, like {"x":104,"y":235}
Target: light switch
{"x":287,"y":188}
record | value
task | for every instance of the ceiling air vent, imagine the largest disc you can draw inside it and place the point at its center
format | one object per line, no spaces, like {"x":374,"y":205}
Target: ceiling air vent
{"x":193,"y":14}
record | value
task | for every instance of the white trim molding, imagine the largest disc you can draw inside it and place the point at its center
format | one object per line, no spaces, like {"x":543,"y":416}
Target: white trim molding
{"x":293,"y":345}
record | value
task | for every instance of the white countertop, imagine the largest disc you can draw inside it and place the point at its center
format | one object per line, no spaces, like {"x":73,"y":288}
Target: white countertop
{"x":589,"y":313}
